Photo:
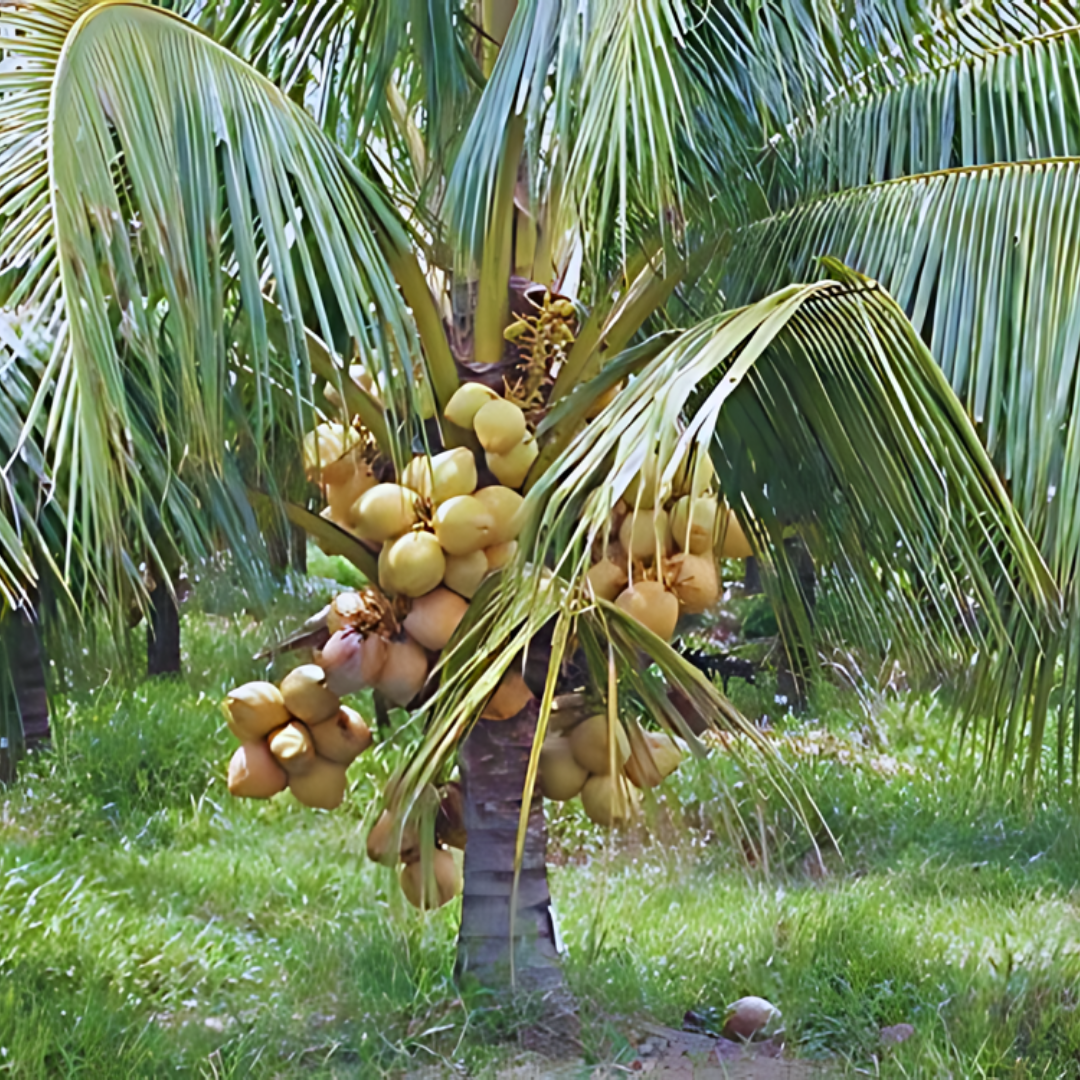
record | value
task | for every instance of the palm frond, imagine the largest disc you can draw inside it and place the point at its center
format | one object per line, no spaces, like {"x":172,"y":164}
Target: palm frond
{"x":155,"y":187}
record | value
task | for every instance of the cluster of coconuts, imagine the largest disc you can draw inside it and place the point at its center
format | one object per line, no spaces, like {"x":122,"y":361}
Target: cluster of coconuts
{"x":428,"y":883}
{"x":658,"y":560}
{"x":582,"y":761}
{"x":298,"y":735}
{"x":438,"y":535}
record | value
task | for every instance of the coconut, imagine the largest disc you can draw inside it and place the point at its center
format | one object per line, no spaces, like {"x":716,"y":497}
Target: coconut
{"x":510,"y":697}
{"x":733,"y":541}
{"x":405,"y":671}
{"x":443,"y":476}
{"x":504,"y":504}
{"x":254,"y":773}
{"x":346,"y":480}
{"x":450,"y":819}
{"x":465,"y":572}
{"x":342,"y":739}
{"x":467,"y":400}
{"x":694,"y":580}
{"x":439,"y":888}
{"x":463,"y":525}
{"x":386,"y":511}
{"x":500,"y":426}
{"x":255,"y":709}
{"x":512,"y":467}
{"x":644,"y":533}
{"x":322,"y":446}
{"x":561,"y":777}
{"x":606,"y":579}
{"x":322,"y":786}
{"x":693,"y":524}
{"x":653,"y":756}
{"x":412,"y":564}
{"x":434,"y":618}
{"x":380,"y":836}
{"x":749,"y":1017}
{"x":641,"y":491}
{"x":591,"y":746}
{"x":499,"y":555}
{"x":345,"y":610}
{"x":652,"y":605}
{"x":352,"y":661}
{"x":608,"y":800}
{"x":291,"y":745}
{"x":306,"y":696}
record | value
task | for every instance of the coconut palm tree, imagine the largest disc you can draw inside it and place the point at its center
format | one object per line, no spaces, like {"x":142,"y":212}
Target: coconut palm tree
{"x":213,"y":213}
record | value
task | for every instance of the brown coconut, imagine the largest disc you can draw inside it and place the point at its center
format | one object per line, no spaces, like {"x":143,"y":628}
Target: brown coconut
{"x":652,"y":605}
{"x":255,"y":709}
{"x":734,"y":543}
{"x":510,"y":697}
{"x":254,"y":773}
{"x":694,"y":580}
{"x":432,"y":891}
{"x":322,"y":786}
{"x":306,"y":695}
{"x":404,"y":673}
{"x":450,"y":819}
{"x":434,"y":617}
{"x":693,"y":524}
{"x":342,"y":739}
{"x":591,"y":746}
{"x":645,"y":534}
{"x":292,"y":748}
{"x":606,"y":579}
{"x":561,"y":777}
{"x":352,"y":661}
{"x":382,"y":834}
{"x":653,"y":756}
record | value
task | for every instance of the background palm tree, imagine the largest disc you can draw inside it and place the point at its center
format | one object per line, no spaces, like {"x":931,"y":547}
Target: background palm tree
{"x":200,"y":221}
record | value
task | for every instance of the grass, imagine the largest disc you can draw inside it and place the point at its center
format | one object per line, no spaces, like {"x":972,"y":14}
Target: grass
{"x":150,"y":925}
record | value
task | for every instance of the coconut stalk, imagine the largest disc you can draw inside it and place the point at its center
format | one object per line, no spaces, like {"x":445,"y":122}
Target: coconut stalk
{"x":493,"y":763}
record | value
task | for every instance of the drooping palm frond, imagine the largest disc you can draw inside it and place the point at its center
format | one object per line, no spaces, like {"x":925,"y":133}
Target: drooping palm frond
{"x":155,"y":186}
{"x":820,"y":406}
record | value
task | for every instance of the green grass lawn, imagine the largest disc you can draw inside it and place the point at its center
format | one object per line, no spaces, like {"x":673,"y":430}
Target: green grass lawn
{"x":150,"y":925}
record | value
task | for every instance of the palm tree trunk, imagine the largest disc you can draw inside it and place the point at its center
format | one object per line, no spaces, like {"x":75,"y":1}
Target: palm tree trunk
{"x":24,"y":712}
{"x":493,"y":763}
{"x":163,"y":633}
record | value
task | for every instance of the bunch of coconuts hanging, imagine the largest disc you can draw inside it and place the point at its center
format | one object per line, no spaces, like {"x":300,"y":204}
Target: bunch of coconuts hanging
{"x":431,"y":881}
{"x":658,"y":560}
{"x":584,"y":760}
{"x":297,"y":735}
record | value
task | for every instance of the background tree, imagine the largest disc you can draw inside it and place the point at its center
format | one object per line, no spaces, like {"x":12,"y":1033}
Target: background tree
{"x":204,"y":220}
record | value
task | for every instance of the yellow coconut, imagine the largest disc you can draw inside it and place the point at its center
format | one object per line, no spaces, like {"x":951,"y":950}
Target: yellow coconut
{"x":504,"y":504}
{"x":641,"y":491}
{"x":434,"y":617}
{"x":322,"y":787}
{"x":306,"y":696}
{"x":386,"y":511}
{"x":499,"y":555}
{"x":645,"y":533}
{"x":352,"y":661}
{"x":322,"y":446}
{"x":463,"y":525}
{"x":608,"y":800}
{"x":693,"y":524}
{"x":443,"y":476}
{"x":465,"y":572}
{"x":694,"y":580}
{"x":412,"y":564}
{"x":652,"y":605}
{"x":254,"y":773}
{"x":256,"y":708}
{"x":343,"y":738}
{"x":606,"y":579}
{"x":510,"y":697}
{"x":512,"y":467}
{"x":733,"y":542}
{"x":591,"y":745}
{"x":468,"y":399}
{"x":561,"y":777}
{"x":379,"y":842}
{"x":653,"y":756}
{"x":432,"y":891}
{"x":405,"y":671}
{"x":500,"y":426}
{"x":292,"y":747}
